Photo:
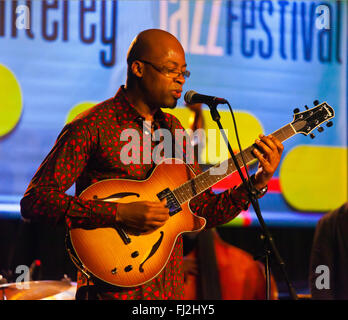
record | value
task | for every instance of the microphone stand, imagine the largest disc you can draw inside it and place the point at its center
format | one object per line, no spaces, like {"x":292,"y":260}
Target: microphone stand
{"x":269,"y":246}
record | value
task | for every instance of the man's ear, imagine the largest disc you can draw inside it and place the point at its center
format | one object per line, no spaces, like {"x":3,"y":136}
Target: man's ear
{"x":137,"y":68}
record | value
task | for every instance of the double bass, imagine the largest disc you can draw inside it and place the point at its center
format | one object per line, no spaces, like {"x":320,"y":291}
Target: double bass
{"x":224,"y":272}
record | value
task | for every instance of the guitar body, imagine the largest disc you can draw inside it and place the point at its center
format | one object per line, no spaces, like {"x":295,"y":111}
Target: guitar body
{"x":104,"y":253}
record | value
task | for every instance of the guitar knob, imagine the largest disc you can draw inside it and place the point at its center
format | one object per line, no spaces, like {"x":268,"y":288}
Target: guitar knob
{"x":306,"y":107}
{"x":128,"y":268}
{"x":329,"y":124}
{"x":297,"y":110}
{"x":135,"y":254}
{"x":320,"y":129}
{"x":316,"y":102}
{"x":312,"y":135}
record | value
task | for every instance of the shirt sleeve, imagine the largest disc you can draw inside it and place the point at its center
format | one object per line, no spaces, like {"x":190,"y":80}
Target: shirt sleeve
{"x":219,"y":208}
{"x":45,"y":198}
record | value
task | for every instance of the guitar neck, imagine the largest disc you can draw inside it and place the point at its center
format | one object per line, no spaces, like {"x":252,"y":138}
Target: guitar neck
{"x":207,"y":179}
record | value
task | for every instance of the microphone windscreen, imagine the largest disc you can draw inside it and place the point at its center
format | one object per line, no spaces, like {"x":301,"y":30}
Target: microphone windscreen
{"x":188,"y":96}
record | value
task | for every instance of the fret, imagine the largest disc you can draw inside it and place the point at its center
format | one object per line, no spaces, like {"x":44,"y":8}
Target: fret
{"x":201,"y":182}
{"x":178,"y":196}
{"x":207,"y":180}
{"x":284,"y":133}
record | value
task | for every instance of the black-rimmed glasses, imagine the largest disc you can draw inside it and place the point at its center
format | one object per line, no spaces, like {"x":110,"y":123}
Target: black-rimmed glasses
{"x":171,"y":73}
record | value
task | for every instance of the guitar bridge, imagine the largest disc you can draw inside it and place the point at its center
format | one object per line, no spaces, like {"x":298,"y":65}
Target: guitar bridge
{"x":172,"y":203}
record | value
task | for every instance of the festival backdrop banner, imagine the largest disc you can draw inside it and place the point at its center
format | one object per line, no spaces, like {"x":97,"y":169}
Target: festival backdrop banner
{"x":267,"y":58}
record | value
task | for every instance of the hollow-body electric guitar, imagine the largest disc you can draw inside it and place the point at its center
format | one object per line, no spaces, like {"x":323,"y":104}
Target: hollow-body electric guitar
{"x":122,"y":258}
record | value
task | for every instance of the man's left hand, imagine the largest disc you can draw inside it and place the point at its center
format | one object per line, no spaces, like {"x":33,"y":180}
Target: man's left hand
{"x":269,"y":154}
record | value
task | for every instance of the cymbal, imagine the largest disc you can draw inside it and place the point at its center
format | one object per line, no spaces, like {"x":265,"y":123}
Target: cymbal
{"x":32,"y":290}
{"x":65,"y":295}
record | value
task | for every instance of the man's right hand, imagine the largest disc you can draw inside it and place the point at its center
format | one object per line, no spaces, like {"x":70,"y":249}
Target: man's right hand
{"x":142,"y":216}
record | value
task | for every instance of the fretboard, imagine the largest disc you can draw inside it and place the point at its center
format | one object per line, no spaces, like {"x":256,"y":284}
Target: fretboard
{"x":206,"y":179}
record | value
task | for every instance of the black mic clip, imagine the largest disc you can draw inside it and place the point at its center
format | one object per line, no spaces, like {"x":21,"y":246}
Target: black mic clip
{"x":213,"y":108}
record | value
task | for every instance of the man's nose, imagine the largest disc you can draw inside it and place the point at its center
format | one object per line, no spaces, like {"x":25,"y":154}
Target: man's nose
{"x":181,"y":79}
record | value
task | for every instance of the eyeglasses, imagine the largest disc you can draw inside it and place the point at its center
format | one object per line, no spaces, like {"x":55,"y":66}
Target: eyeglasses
{"x":170,"y":73}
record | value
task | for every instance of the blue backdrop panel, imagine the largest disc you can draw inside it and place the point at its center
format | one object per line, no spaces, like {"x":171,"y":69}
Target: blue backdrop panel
{"x":265,"y":57}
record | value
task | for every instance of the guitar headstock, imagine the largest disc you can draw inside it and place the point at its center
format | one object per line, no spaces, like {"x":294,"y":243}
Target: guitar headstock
{"x":310,"y":119}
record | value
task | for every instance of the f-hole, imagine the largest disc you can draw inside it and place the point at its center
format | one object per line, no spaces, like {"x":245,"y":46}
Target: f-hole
{"x":153,"y":251}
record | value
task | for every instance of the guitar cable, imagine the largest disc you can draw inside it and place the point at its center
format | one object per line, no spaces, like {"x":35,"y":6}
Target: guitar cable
{"x":253,"y":190}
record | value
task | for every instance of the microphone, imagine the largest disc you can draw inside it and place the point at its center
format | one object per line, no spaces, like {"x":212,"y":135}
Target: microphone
{"x":192,"y":97}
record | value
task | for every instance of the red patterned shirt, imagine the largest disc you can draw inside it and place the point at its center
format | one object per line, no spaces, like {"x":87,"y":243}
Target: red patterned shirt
{"x":89,"y":150}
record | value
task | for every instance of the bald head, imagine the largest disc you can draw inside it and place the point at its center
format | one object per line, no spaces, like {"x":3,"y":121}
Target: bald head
{"x":156,"y":62}
{"x":153,"y":45}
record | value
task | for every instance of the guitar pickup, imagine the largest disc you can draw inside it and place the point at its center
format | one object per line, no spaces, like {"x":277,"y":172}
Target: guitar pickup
{"x":172,"y":203}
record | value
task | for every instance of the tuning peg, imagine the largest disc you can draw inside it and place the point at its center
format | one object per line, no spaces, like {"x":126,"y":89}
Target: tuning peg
{"x":312,"y":135}
{"x":320,"y":129}
{"x":329,"y":124}
{"x":297,"y":110}
{"x":306,"y":107}
{"x":316,"y":102}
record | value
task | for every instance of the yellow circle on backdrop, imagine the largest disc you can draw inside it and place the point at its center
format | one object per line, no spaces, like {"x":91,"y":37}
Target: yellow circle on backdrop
{"x":11,"y":101}
{"x":215,"y":151}
{"x":314,"y":178}
{"x":77,"y":109}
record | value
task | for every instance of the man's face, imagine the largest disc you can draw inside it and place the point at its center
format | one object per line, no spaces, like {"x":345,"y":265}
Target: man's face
{"x":162,"y":78}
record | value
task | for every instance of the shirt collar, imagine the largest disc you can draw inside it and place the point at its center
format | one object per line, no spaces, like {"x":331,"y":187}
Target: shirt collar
{"x":127,"y":112}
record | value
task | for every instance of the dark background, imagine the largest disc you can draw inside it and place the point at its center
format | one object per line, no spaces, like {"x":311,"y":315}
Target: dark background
{"x":22,"y":242}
